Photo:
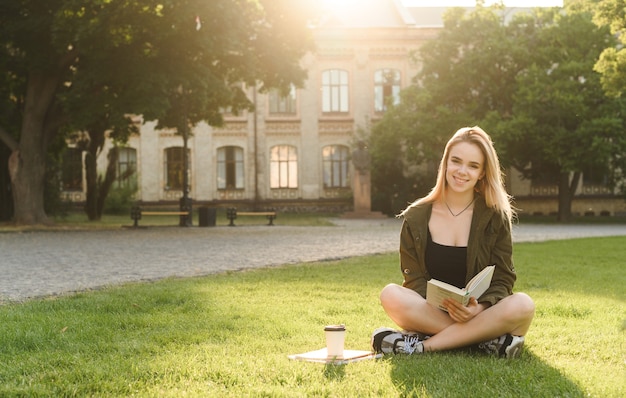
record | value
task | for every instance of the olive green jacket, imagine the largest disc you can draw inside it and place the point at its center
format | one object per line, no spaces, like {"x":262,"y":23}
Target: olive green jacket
{"x":489,"y":244}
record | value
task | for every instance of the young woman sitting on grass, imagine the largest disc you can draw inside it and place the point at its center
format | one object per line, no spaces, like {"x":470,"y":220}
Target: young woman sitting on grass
{"x":460,"y":227}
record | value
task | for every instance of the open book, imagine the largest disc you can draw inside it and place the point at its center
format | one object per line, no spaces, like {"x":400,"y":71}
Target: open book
{"x":348,"y":356}
{"x":437,"y":291}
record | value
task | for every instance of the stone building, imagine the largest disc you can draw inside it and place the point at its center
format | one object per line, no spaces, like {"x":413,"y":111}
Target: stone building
{"x":293,"y":152}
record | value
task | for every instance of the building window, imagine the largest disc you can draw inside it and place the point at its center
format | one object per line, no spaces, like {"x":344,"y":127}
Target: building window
{"x":126,"y":168}
{"x":280,"y":104}
{"x":386,"y":88}
{"x":72,"y":169}
{"x":283,"y":167}
{"x":335,"y":90}
{"x":335,"y":163}
{"x":230,"y":167}
{"x":174,"y":168}
{"x":597,"y":180}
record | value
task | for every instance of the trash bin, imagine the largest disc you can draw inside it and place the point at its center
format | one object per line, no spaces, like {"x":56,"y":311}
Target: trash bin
{"x":207,"y":216}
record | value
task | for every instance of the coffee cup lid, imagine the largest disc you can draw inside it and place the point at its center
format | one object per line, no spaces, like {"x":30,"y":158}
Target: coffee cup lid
{"x":335,"y":328}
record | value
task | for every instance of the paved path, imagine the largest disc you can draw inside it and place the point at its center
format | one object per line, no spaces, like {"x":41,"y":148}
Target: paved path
{"x":35,"y":264}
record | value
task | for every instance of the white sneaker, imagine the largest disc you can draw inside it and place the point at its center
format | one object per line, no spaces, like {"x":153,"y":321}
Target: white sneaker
{"x":507,"y":346}
{"x":390,"y":341}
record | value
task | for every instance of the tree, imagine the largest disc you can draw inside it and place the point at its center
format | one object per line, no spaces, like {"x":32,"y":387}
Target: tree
{"x":467,"y":72}
{"x":528,"y":81}
{"x":87,"y":64}
{"x":612,"y":62}
{"x":562,"y":122}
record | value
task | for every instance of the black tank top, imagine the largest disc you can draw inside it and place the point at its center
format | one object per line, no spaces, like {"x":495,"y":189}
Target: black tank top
{"x":446,"y":263}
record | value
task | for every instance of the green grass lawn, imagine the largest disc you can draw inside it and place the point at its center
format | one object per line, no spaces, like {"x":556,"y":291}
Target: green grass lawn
{"x":229,"y":335}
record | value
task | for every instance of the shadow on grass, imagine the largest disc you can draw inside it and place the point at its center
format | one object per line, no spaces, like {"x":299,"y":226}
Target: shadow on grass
{"x":477,"y":375}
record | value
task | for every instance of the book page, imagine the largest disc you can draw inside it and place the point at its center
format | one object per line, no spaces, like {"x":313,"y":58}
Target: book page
{"x":480,"y":283}
{"x":321,"y":356}
{"x":437,"y":291}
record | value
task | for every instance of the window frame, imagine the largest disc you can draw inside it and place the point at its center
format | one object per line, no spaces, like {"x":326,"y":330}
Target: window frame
{"x":283,"y":167}
{"x":383,"y":88}
{"x":125,"y":163}
{"x":167,"y":163}
{"x":230,"y":166}
{"x":335,"y":91}
{"x":336,"y":166}
{"x":279,"y":105}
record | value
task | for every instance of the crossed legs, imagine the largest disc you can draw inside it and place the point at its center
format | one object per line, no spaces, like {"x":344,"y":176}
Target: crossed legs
{"x":411,"y":312}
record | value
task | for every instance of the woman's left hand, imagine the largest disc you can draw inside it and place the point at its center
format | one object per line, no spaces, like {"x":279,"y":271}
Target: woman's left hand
{"x":460,"y":313}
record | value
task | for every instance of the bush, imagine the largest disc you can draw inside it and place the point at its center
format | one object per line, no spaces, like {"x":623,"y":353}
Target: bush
{"x":120,"y":200}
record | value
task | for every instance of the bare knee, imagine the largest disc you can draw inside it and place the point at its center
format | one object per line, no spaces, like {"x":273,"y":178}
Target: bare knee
{"x":524,"y":305}
{"x":521,"y":313}
{"x":390,"y":294}
{"x":399,"y":299}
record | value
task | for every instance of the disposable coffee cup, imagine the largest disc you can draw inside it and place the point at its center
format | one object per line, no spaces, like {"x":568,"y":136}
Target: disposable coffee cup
{"x":335,"y":338}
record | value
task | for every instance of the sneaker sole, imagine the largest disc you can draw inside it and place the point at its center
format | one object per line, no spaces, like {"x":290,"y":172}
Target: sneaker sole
{"x":377,"y":338}
{"x":515,"y":349}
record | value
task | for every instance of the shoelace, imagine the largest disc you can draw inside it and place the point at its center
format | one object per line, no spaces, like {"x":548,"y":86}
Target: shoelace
{"x":492,"y":346}
{"x":410,"y":343}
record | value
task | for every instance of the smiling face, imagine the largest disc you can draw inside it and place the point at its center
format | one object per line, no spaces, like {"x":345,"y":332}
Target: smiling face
{"x":465,"y":166}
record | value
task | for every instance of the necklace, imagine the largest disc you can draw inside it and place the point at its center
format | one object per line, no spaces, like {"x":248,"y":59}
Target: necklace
{"x":462,"y":211}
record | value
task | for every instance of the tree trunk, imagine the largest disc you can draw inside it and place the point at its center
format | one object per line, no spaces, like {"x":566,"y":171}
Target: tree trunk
{"x":27,"y":164}
{"x":567,"y":189}
{"x":27,"y":170}
{"x":109,"y":179}
{"x":6,"y":199}
{"x":97,"y":187}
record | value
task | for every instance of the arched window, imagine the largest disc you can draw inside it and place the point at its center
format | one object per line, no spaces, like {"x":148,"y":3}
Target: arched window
{"x":174,"y":168}
{"x":335,"y":91}
{"x":386,"y":86}
{"x":335,"y":164}
{"x":230,"y":170}
{"x":283,"y":167}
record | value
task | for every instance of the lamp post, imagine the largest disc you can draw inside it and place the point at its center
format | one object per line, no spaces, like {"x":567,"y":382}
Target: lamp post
{"x":185,"y":200}
{"x":256,"y":149}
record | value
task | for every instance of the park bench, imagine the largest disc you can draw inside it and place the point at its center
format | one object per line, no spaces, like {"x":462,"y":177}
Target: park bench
{"x":232,"y":214}
{"x":136,"y":213}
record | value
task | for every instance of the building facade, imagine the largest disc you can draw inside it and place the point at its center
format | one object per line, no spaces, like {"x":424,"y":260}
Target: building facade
{"x":293,"y":152}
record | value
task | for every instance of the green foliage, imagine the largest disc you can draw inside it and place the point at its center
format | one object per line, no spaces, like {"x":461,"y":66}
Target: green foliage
{"x":399,"y":149}
{"x":529,"y":82}
{"x":120,"y":200}
{"x":612,"y":62}
{"x":87,"y":65}
{"x":467,"y":72}
{"x":229,"y":335}
{"x":561,"y":114}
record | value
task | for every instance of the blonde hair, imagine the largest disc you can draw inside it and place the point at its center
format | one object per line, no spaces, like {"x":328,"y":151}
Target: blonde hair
{"x":490,"y":187}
